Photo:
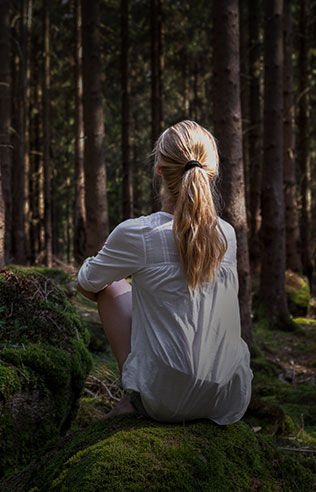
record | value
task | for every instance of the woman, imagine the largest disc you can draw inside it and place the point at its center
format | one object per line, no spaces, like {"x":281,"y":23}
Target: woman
{"x":176,"y":332}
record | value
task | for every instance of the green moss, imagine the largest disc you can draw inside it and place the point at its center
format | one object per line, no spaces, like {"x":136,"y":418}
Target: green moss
{"x":265,"y":366}
{"x":128,"y":454}
{"x":53,"y":363}
{"x":9,"y":380}
{"x":59,"y":276}
{"x":298,"y":402}
{"x":305,"y":321}
{"x":298,"y":293}
{"x":35,"y":309}
{"x":44,"y":356}
{"x":101,"y":359}
{"x":269,"y":319}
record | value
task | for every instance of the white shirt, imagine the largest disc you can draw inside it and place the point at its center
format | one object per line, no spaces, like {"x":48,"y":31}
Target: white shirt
{"x":187,"y":357}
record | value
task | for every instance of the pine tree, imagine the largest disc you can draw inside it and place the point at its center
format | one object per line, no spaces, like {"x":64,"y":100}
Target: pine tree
{"x":272,"y":279}
{"x":97,"y":227}
{"x":228,"y":131}
{"x":5,"y":137}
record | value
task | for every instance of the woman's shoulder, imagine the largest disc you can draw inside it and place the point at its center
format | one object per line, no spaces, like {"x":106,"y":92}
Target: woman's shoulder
{"x":227,"y":228}
{"x":137,"y":225}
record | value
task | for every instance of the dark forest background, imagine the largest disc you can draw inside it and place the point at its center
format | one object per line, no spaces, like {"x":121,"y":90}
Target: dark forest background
{"x":86,"y":87}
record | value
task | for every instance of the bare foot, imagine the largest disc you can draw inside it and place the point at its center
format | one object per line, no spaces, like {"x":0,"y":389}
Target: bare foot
{"x":124,"y":406}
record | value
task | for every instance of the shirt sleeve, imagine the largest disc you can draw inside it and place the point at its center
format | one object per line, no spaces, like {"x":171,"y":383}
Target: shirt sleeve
{"x":122,"y":254}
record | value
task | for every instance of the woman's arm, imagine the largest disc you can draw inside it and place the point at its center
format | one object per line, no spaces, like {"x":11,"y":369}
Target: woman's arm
{"x":93,"y":296}
{"x":122,"y":255}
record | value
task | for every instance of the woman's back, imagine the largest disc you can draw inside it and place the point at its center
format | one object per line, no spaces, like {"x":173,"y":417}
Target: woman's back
{"x":181,"y":339}
{"x":184,"y":354}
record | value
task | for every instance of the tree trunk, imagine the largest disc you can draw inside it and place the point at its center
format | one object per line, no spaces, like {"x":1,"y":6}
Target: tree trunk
{"x":293,"y":258}
{"x":79,"y":204}
{"x":156,"y":80}
{"x":46,"y":141}
{"x":18,"y":170}
{"x":97,"y":226}
{"x":186,"y":84}
{"x":36,"y":197}
{"x":244,"y":91}
{"x":161,"y":63}
{"x":125,"y":88}
{"x":272,"y":280}
{"x":27,"y":19}
{"x":227,"y":119}
{"x":303,"y":141}
{"x":5,"y":138}
{"x":254,"y":139}
{"x":2,"y":223}
{"x":137,"y":174}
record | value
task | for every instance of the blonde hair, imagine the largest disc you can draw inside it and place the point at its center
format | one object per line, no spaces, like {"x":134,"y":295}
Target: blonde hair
{"x":199,"y":244}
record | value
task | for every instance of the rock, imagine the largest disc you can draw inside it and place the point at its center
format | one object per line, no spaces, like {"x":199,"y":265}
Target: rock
{"x":98,"y":340}
{"x":298,"y":293}
{"x":44,"y":363}
{"x":130,"y":454}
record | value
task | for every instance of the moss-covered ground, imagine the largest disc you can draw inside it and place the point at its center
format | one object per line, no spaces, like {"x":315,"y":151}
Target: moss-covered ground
{"x":44,"y":362}
{"x":272,"y":449}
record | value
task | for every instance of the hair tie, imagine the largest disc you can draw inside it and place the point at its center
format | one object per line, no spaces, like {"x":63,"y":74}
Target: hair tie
{"x":190,"y":164}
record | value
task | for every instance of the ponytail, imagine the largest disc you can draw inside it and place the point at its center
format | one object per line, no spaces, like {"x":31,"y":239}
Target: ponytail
{"x":197,"y":239}
{"x":197,"y":236}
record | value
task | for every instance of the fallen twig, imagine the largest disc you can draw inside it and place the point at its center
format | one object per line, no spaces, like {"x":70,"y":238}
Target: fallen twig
{"x":104,"y":386}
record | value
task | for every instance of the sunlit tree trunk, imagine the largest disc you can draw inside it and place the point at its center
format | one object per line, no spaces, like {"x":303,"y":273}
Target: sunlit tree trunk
{"x":79,"y":205}
{"x":227,"y":119}
{"x":303,"y":140}
{"x":97,"y":226}
{"x":293,"y":258}
{"x":46,"y":140}
{"x":272,"y":279}
{"x":125,"y":89}
{"x":5,"y":124}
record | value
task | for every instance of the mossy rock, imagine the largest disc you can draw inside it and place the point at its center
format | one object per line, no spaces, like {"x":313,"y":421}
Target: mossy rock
{"x":126,"y":454}
{"x":44,"y":362}
{"x":98,"y":340}
{"x":298,"y":293}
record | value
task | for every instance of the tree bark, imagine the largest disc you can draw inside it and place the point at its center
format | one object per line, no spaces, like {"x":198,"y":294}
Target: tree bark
{"x":186,"y":83}
{"x":125,"y":89}
{"x":303,"y":141}
{"x":157,"y":61}
{"x":2,"y":224}
{"x":272,"y":279}
{"x":27,"y":20}
{"x":254,"y":139}
{"x":5,"y":137}
{"x":46,"y":140}
{"x":244,"y":90}
{"x":227,"y":119}
{"x":18,"y":124}
{"x":293,"y":258}
{"x":97,"y":226}
{"x":36,"y":197}
{"x":79,"y":237}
